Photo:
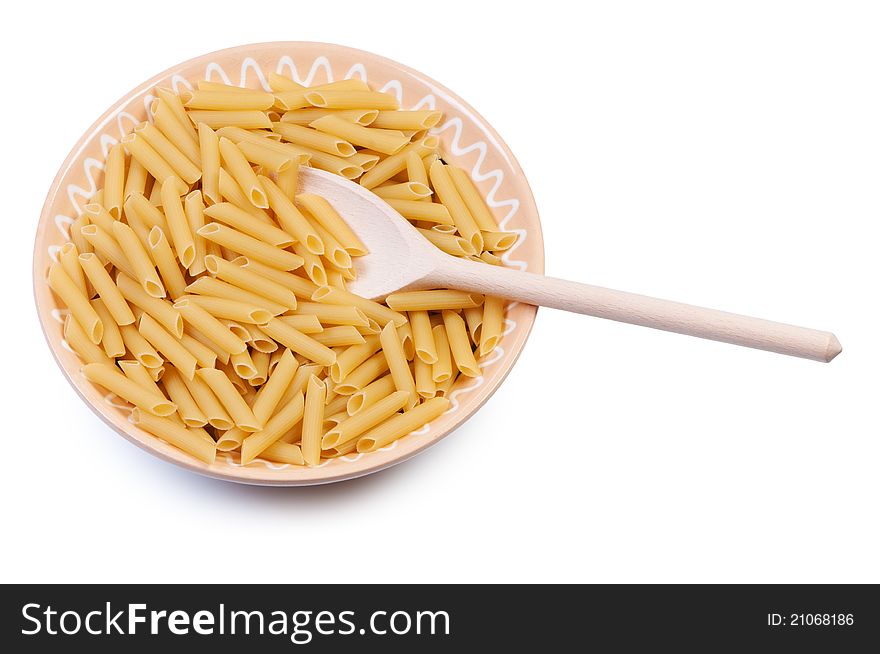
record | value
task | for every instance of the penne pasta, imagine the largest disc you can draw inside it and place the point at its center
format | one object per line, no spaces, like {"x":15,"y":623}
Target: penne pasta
{"x":252,"y":248}
{"x":167,"y":345}
{"x":237,"y":165}
{"x":460,"y":344}
{"x":315,"y":139}
{"x":392,"y":348}
{"x":118,"y":384}
{"x":242,"y":119}
{"x":349,"y":99}
{"x":77,"y":302}
{"x":176,"y":434}
{"x":402,"y":424}
{"x":298,"y":342}
{"x":423,"y":337}
{"x":141,"y":263}
{"x":436,"y":300}
{"x":244,"y":222}
{"x":111,"y":339}
{"x":313,"y":420}
{"x":170,"y":153}
{"x":311,"y":114}
{"x":415,"y":120}
{"x":209,"y":150}
{"x":448,"y":194}
{"x":106,"y":288}
{"x":176,"y":132}
{"x":214,"y":287}
{"x":187,"y":408}
{"x":231,"y":99}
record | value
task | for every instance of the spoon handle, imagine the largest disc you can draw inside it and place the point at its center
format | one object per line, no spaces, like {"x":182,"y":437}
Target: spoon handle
{"x":634,"y":309}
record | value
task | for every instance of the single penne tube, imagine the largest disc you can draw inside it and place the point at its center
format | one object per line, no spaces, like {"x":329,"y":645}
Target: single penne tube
{"x":298,"y":342}
{"x":312,"y":264}
{"x":251,"y":281}
{"x":429,"y":212}
{"x":261,"y":363}
{"x":114,"y":180}
{"x":210,"y":326}
{"x":175,"y":131}
{"x":403,"y":191}
{"x":276,"y":385}
{"x":435,"y":300}
{"x":491,"y":259}
{"x":77,"y":302}
{"x":313,"y":419}
{"x":229,"y":397}
{"x":117,"y":383}
{"x":449,"y":196}
{"x":178,"y":226}
{"x":167,"y":345}
{"x":138,"y":147}
{"x":243,"y":119}
{"x":139,"y":347}
{"x":370,"y":394}
{"x":391,"y":165}
{"x":415,"y":120}
{"x":367,"y":418}
{"x":106,"y":288}
{"x":346,"y":99}
{"x":341,"y":335}
{"x":364,"y":160}
{"x":335,"y":278}
{"x":415,"y":168}
{"x":76,"y":235}
{"x":310,"y":114}
{"x":378,"y":312}
{"x":406,"y":340}
{"x":141,"y":230}
{"x":333,"y":314}
{"x":493,"y":324}
{"x":237,"y":165}
{"x":229,"y":214}
{"x":227,"y":100}
{"x":423,"y":336}
{"x":80,"y":343}
{"x":499,"y":241}
{"x":250,"y":247}
{"x":424,"y":378}
{"x":306,"y":323}
{"x":221,"y":354}
{"x":378,"y":140}
{"x":170,"y":153}
{"x":176,"y":434}
{"x":315,"y":139}
{"x":342,"y":166}
{"x":259,"y":340}
{"x":207,"y":402}
{"x":280,"y":423}
{"x":442,"y":368}
{"x":402,"y":424}
{"x":328,"y":218}
{"x":187,"y":408}
{"x":287,"y":180}
{"x":279,"y":452}
{"x":172,"y":99}
{"x":68,"y":257}
{"x":194,"y":209}
{"x":111,"y":339}
{"x":392,"y":347}
{"x":269,"y":159}
{"x":205,"y":356}
{"x":135,"y":179}
{"x":473,"y":200}
{"x":473,"y":318}
{"x":449,"y":243}
{"x":230,"y":440}
{"x":162,"y":311}
{"x":231,"y":309}
{"x":216,"y":288}
{"x":106,"y":248}
{"x":209,"y":149}
{"x":140,"y":260}
{"x":301,"y":287}
{"x":460,"y":344}
{"x":366,"y":372}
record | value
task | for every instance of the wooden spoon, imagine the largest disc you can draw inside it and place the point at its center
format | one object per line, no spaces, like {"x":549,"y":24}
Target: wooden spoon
{"x":402,"y":259}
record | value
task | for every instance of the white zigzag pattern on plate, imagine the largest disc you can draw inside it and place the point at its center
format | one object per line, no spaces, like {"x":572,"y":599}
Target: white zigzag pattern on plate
{"x":286,"y":63}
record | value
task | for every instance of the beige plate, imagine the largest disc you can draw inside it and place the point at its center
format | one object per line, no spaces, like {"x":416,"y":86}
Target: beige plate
{"x":466,"y":140}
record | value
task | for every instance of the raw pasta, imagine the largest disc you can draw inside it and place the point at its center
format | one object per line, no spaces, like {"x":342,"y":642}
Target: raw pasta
{"x":210,"y":294}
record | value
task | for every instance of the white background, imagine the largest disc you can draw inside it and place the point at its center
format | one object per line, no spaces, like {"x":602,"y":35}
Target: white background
{"x":724,"y":154}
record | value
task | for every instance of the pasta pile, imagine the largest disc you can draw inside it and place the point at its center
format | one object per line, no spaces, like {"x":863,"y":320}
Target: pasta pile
{"x":208,"y":293}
